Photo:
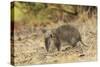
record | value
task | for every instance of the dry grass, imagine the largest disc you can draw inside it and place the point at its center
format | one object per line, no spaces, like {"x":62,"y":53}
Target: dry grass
{"x":29,"y":47}
{"x":32,"y":51}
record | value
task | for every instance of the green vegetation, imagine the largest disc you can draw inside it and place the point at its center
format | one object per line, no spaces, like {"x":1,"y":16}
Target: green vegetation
{"x":37,"y":13}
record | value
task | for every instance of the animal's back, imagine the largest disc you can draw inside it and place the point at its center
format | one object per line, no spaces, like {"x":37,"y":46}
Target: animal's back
{"x":68,"y":33}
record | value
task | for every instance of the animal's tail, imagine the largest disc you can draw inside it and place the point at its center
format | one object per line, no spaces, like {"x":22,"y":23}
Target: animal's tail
{"x":83,"y":43}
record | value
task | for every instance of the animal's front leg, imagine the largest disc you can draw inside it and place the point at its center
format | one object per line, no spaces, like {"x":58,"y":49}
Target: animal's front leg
{"x":58,"y":44}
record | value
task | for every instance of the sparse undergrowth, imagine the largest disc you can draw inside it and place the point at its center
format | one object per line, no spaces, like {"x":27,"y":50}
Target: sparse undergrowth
{"x":29,"y":40}
{"x":32,"y":51}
